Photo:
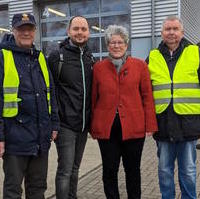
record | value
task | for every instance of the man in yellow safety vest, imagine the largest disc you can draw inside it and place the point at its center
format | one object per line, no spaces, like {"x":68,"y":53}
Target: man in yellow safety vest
{"x":28,"y":112}
{"x":175,"y":76}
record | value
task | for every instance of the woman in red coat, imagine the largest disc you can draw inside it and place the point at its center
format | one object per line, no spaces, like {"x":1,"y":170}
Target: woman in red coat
{"x":122,"y":113}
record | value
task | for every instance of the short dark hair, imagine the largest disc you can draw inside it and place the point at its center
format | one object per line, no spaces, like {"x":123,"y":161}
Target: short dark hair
{"x":72,"y":18}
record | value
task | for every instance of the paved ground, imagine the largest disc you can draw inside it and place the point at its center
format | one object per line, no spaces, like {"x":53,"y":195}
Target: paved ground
{"x":90,"y":186}
{"x":90,"y":183}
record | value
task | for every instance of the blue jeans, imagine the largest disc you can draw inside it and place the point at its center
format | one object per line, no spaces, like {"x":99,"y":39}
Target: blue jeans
{"x":70,"y":147}
{"x":185,"y":153}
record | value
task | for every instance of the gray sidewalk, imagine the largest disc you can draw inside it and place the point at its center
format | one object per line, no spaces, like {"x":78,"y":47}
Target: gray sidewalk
{"x":90,"y":186}
{"x":90,"y":182}
{"x":91,"y":160}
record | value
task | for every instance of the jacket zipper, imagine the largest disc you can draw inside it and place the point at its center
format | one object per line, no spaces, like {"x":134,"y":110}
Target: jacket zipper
{"x":84,"y":88}
{"x":172,"y":86}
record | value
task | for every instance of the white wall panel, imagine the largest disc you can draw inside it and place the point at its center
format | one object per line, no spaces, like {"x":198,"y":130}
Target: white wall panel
{"x":141,"y":16}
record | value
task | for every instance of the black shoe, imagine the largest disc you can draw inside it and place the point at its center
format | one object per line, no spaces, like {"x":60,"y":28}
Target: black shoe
{"x":198,"y":146}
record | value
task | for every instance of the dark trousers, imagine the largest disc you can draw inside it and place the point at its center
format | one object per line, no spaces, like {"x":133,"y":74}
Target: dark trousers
{"x":70,"y":147}
{"x":31,"y":169}
{"x":111,"y":152}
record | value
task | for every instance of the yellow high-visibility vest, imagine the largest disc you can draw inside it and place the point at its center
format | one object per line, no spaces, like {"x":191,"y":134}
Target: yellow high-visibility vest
{"x":183,"y":89}
{"x":11,"y":83}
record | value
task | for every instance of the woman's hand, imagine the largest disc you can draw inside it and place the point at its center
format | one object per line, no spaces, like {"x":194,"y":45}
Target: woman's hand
{"x":2,"y":149}
{"x":54,"y":135}
{"x":149,"y":134}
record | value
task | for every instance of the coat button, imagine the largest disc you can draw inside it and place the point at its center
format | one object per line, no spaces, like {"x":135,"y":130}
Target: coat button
{"x":20,"y":121}
{"x":37,"y":94}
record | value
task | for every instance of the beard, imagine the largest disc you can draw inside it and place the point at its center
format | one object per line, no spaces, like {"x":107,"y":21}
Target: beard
{"x":76,"y":43}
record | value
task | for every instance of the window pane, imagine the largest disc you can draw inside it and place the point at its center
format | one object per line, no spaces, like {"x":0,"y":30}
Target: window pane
{"x":4,"y":21}
{"x":94,"y":25}
{"x":93,"y":44}
{"x":116,"y":5}
{"x":54,"y":29}
{"x":103,"y":44}
{"x":49,"y":46}
{"x":109,"y":12}
{"x":84,"y":7}
{"x":55,"y":10}
{"x":97,"y":58}
{"x":122,"y":20}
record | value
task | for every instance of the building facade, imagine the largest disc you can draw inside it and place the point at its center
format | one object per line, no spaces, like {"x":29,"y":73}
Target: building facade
{"x":143,"y":18}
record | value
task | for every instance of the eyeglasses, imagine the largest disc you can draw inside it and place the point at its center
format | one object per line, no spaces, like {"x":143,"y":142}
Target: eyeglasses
{"x":114,"y":43}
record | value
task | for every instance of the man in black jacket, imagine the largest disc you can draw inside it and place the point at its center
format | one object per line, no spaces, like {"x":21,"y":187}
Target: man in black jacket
{"x":28,"y":112}
{"x":71,"y":67}
{"x":175,"y":76}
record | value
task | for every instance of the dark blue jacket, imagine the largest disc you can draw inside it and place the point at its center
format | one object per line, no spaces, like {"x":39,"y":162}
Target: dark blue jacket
{"x":28,"y":133}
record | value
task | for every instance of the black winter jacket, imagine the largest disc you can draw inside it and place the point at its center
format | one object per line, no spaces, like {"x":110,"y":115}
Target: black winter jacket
{"x":171,"y":126}
{"x":29,"y":132}
{"x":70,"y":85}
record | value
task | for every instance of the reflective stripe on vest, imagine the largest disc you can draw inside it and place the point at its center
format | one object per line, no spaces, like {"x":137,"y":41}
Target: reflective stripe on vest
{"x":11,"y":83}
{"x":185,"y":84}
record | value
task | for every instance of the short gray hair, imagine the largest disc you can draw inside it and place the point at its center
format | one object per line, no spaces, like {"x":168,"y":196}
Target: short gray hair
{"x":116,"y":30}
{"x":172,"y":18}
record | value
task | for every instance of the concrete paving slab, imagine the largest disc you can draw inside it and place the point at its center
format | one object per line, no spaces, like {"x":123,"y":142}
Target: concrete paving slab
{"x":150,"y":187}
{"x":90,"y":176}
{"x":91,"y":160}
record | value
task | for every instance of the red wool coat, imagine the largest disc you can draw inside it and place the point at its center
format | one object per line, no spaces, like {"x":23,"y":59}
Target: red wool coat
{"x":129,"y":92}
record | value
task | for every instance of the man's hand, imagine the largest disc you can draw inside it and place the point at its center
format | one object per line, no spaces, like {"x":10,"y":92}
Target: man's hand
{"x":54,"y":135}
{"x":2,"y":149}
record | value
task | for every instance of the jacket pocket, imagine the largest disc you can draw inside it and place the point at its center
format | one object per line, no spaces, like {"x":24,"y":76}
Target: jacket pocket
{"x":23,"y":118}
{"x":101,"y":123}
{"x":20,"y":130}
